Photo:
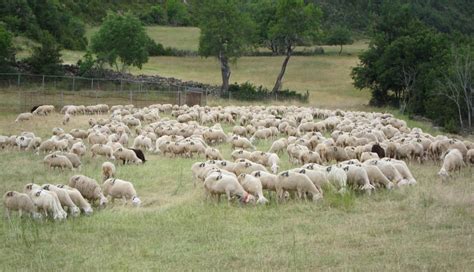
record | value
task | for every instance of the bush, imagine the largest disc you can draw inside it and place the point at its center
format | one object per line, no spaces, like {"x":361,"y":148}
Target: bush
{"x":46,"y":59}
{"x":451,"y":126}
{"x":86,"y":64}
{"x":249,"y":92}
{"x":156,"y":15}
{"x":177,"y":12}
{"x":7,"y":52}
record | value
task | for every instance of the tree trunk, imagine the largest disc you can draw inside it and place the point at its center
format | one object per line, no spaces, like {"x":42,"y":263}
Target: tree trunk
{"x":340,"y":51}
{"x":277,"y":86}
{"x":225,"y":72}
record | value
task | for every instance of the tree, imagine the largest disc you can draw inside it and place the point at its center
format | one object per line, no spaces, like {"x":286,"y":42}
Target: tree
{"x":46,"y":59}
{"x":339,"y":36}
{"x":226,"y":33}
{"x":295,"y":23}
{"x":404,"y":59}
{"x":177,"y":13}
{"x":121,"y":39}
{"x":7,"y":52}
{"x":458,"y":83}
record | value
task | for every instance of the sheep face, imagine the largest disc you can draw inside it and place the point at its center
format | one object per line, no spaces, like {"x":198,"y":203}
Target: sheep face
{"x":443,"y":174}
{"x":136,"y":201}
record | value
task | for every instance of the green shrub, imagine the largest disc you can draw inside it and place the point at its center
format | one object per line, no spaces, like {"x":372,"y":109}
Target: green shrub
{"x":249,"y":92}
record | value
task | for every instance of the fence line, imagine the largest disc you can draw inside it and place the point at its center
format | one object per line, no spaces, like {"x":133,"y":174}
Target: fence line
{"x":62,"y":90}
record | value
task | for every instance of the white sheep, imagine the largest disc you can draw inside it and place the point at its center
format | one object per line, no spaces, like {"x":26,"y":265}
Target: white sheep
{"x":118,"y":188}
{"x":358,"y":178}
{"x":79,"y":149}
{"x":218,"y":184}
{"x":63,"y":197}
{"x":77,"y":198}
{"x":46,"y":201}
{"x":126,"y":155}
{"x":453,"y":161}
{"x":213,"y":154}
{"x":57,"y":161}
{"x":296,"y":182}
{"x":102,"y":150}
{"x":108,"y":170}
{"x":253,"y":186}
{"x":89,"y":189}
{"x":15,"y":201}
{"x":26,"y":116}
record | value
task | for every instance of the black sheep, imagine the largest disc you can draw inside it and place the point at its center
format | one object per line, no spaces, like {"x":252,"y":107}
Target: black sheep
{"x":139,"y":154}
{"x":34,"y":108}
{"x":376,"y":148}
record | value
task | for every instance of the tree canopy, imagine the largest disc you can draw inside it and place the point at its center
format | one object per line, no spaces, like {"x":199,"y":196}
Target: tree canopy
{"x":226,"y":33}
{"x":121,"y":39}
{"x":339,"y":36}
{"x":7,"y":52}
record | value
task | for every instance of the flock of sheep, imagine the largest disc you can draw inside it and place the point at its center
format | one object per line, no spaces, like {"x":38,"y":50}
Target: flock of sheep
{"x":341,"y":151}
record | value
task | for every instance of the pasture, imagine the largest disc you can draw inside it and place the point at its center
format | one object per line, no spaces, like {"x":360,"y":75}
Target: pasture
{"x":427,"y":226}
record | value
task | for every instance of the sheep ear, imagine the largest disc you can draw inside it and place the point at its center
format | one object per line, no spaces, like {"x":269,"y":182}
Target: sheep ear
{"x":223,"y":163}
{"x":240,"y":152}
{"x":219,"y":177}
{"x":29,"y":187}
{"x":46,"y":187}
{"x":38,"y":193}
{"x":335,"y":148}
{"x":346,"y":168}
{"x":257,"y":174}
{"x":202,"y":164}
{"x":302,"y":171}
{"x":375,"y":162}
{"x":10,"y":193}
{"x":329,"y":169}
{"x":247,"y":164}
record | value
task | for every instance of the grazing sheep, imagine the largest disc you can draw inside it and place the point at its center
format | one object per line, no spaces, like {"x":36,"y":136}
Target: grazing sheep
{"x":318,"y":178}
{"x":139,"y":154}
{"x":253,"y":186}
{"x":402,"y":168}
{"x":77,"y":198}
{"x":470,"y":156}
{"x":47,"y":146}
{"x":358,"y":178}
{"x":388,"y":170}
{"x":108,"y":170}
{"x":219,"y":184}
{"x":73,"y":158}
{"x":376,"y":148}
{"x":247,"y":167}
{"x":15,"y":201}
{"x":368,"y":155}
{"x":79,"y":149}
{"x":453,"y":161}
{"x":337,"y":177}
{"x":240,"y":154}
{"x":66,"y":119}
{"x":268,"y":180}
{"x":143,"y":142}
{"x":102,"y":150}
{"x":57,"y":161}
{"x":96,"y":138}
{"x":63,"y":197}
{"x":241,"y":143}
{"x":89,"y":189}
{"x":126,"y":156}
{"x":213,"y":154}
{"x":45,"y":201}
{"x":309,"y":156}
{"x":118,"y":188}
{"x":279,"y":146}
{"x":376,"y":177}
{"x":26,"y":116}
{"x":296,"y":182}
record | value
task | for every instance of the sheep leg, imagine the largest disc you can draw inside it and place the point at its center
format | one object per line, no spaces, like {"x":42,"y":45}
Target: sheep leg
{"x":7,"y":213}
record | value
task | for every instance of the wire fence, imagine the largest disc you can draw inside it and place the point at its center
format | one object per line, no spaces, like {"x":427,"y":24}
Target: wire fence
{"x":20,"y":92}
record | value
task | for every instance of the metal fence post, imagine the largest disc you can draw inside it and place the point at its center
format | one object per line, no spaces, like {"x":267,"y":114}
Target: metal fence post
{"x":42,"y":84}
{"x":18,"y":81}
{"x":73,"y":83}
{"x":131,"y":97}
{"x":92,"y":84}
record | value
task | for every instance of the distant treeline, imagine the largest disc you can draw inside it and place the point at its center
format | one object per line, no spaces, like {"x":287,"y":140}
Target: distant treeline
{"x":65,"y":20}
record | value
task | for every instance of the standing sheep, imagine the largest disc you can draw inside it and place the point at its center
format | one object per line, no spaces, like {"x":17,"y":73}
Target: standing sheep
{"x":108,"y":170}
{"x":15,"y":201}
{"x":77,"y":198}
{"x":118,"y":188}
{"x":57,"y":161}
{"x":64,"y":198}
{"x":26,"y":116}
{"x":453,"y":161}
{"x":89,"y":188}
{"x":296,"y":182}
{"x":218,"y":184}
{"x":253,"y":186}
